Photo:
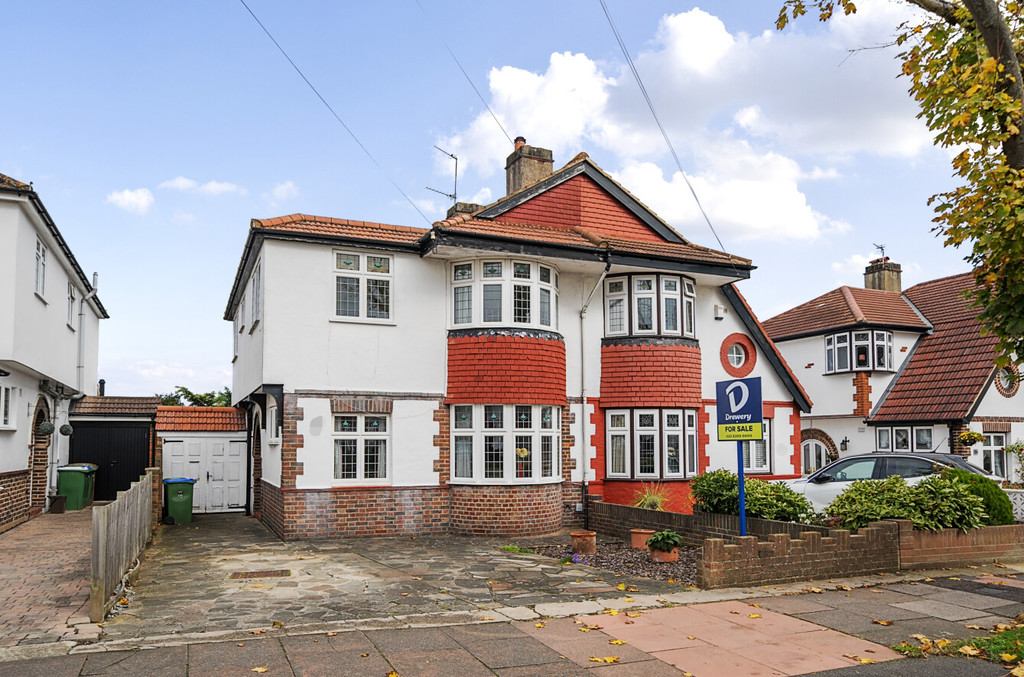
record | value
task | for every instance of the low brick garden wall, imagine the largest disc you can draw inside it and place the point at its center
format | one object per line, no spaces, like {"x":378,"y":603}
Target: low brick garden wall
{"x":952,"y":547}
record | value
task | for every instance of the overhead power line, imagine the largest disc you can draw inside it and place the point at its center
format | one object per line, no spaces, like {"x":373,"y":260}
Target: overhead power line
{"x":664,"y":134}
{"x":335,"y":114}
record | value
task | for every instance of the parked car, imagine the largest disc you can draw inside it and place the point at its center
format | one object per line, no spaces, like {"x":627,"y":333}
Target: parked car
{"x":822,"y":487}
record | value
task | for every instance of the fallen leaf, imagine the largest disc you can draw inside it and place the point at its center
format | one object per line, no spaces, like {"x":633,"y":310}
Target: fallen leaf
{"x":1008,"y":657}
{"x":278,"y":624}
{"x":971,"y":566}
{"x":1002,"y":627}
{"x":611,"y":612}
{"x":542,"y":624}
{"x":620,"y":586}
{"x":257,"y":632}
{"x":1018,"y":671}
{"x":403,"y":594}
{"x":735,"y":612}
{"x":753,"y":615}
{"x":816,"y":591}
{"x":690,"y":637}
{"x":486,"y":618}
{"x":954,"y":578}
{"x":632,"y":588}
{"x":974,"y":627}
{"x":261,"y":669}
{"x":629,"y":622}
{"x":943,"y":643}
{"x":417,"y":578}
{"x":393,"y":673}
{"x":875,"y":620}
{"x":615,"y":641}
{"x":241,"y":644}
{"x":258,"y":585}
{"x":929,"y":580}
{"x":364,"y":655}
{"x":671,"y":580}
{"x":969,"y":650}
{"x":332,"y":634}
{"x":756,"y":606}
{"x":606,"y":659}
{"x":632,"y":614}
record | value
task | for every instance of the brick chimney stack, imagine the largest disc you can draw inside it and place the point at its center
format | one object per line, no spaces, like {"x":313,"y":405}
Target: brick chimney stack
{"x":883,"y":274}
{"x":525,"y":166}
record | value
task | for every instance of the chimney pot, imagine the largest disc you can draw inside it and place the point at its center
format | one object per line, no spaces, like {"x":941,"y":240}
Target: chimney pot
{"x":519,"y":142}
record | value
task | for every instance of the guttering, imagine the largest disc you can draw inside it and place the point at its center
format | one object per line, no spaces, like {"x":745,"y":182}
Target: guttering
{"x":583,"y":395}
{"x":80,"y":381}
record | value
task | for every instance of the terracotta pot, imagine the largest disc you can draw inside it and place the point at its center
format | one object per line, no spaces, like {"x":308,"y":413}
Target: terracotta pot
{"x":584,"y":542}
{"x":638,"y":538}
{"x":662,"y":556}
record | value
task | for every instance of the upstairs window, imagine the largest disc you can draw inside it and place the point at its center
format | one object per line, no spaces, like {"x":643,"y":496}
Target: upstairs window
{"x":6,"y":407}
{"x":362,"y":287}
{"x":257,"y":293}
{"x":503,"y":292}
{"x":40,"y":268}
{"x":72,"y":295}
{"x":649,"y":305}
{"x":859,"y":351}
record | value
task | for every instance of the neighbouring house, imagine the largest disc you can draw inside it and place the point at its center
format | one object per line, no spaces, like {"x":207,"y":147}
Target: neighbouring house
{"x":895,"y":370}
{"x":483,"y":375}
{"x":49,"y":339}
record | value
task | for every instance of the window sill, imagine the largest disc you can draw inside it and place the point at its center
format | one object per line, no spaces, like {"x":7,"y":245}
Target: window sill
{"x":499,"y":482}
{"x":7,"y":428}
{"x":363,"y":320}
{"x":361,"y":484}
{"x":71,"y":327}
{"x":255,"y":324}
{"x":40,"y":297}
{"x":619,"y":478}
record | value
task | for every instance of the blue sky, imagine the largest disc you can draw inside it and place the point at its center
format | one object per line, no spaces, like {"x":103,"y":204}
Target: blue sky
{"x":155,"y":131}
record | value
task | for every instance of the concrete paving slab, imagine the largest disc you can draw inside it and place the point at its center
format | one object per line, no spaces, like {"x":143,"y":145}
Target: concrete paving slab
{"x":412,"y":639}
{"x":562,"y":609}
{"x":967,"y":599}
{"x":880,"y":611}
{"x":790,"y":605}
{"x":915,"y":589}
{"x":438,"y":663}
{"x":165,"y":661}
{"x":922,"y":667}
{"x":228,"y":658}
{"x":563,"y":668}
{"x":948,"y":612}
{"x":511,"y":652}
{"x":346,"y":653}
{"x":56,"y":666}
{"x":792,"y":660}
{"x":715,"y":661}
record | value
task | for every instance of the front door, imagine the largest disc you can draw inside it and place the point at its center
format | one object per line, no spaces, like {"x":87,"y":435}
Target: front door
{"x":217,"y":465}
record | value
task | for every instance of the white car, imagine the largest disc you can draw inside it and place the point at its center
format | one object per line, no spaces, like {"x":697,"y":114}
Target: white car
{"x":822,"y":487}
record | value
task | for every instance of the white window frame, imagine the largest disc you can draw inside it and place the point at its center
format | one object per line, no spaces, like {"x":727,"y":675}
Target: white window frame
{"x":848,"y":342}
{"x":749,"y":449}
{"x":843,"y":349}
{"x":637,"y":295}
{"x":993,"y":446}
{"x":364,"y":275}
{"x":917,"y":440}
{"x":40,"y":268}
{"x":666,"y":296}
{"x":256,"y":295}
{"x":272,"y":429}
{"x":861,"y":339}
{"x":507,"y":283}
{"x":542,"y":430}
{"x":630,"y":432}
{"x":883,"y":439}
{"x":622,"y":298}
{"x":882,"y":340}
{"x":8,"y":419}
{"x":689,"y":309}
{"x":72,"y":297}
{"x":629,"y":296}
{"x":910,"y":438}
{"x":361,"y":435}
{"x":737,"y":355}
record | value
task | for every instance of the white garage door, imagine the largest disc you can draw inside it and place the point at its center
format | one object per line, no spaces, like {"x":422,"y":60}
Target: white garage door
{"x":218,"y":466}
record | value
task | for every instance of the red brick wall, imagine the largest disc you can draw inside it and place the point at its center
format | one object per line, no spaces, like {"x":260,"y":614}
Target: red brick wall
{"x":355,"y":511}
{"x":622,"y":492}
{"x":650,"y":375}
{"x":862,"y":393}
{"x":291,"y":440}
{"x":952,"y":547}
{"x":581,"y":202}
{"x":15,"y":499}
{"x":442,"y":464}
{"x":495,"y":369}
{"x":506,"y":510}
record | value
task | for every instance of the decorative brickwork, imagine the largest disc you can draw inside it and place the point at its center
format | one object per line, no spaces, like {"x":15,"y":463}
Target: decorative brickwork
{"x":495,"y":367}
{"x":156,"y":472}
{"x":862,"y":393}
{"x":257,"y":472}
{"x":748,"y":347}
{"x":355,"y":511}
{"x":291,"y":441}
{"x":577,"y":202}
{"x":703,"y":436}
{"x":39,"y":457}
{"x":661,"y":373}
{"x":442,"y":442}
{"x":13,"y":498}
{"x":820,"y":436}
{"x":750,"y":561}
{"x":955,"y":447}
{"x":952,"y":547}
{"x":506,"y":510}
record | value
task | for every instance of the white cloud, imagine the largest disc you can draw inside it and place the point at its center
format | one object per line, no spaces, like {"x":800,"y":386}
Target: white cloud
{"x":209,"y":188}
{"x":851,"y":267}
{"x":284,"y":191}
{"x":137,"y":201}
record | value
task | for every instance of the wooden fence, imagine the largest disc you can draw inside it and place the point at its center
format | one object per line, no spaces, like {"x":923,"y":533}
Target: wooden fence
{"x":120,"y":531}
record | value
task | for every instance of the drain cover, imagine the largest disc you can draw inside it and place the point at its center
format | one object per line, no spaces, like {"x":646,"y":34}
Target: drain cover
{"x":270,"y":573}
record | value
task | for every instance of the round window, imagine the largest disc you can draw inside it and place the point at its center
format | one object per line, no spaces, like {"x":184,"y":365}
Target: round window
{"x":737,"y":355}
{"x":1008,"y":381}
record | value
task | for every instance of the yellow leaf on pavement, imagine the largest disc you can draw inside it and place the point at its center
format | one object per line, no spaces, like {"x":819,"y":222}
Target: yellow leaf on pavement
{"x":878,"y":622}
{"x":620,"y":586}
{"x":1018,"y":671}
{"x":615,"y":641}
{"x":753,"y":615}
{"x":969,"y":650}
{"x":260,"y":669}
{"x":542,"y":624}
{"x":942,"y":643}
{"x":628,"y":599}
{"x":605,"y":659}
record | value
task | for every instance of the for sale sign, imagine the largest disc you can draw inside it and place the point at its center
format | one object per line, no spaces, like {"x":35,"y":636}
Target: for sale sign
{"x":739,"y":409}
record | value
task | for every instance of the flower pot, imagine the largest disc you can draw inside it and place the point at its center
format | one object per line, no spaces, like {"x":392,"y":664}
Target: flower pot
{"x":638,"y":538}
{"x":584,"y":542}
{"x":662,"y":556}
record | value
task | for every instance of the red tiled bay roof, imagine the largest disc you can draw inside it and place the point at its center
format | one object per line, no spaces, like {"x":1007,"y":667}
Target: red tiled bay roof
{"x":844,"y":307}
{"x":327,"y":226}
{"x":197,"y":419}
{"x":946,"y":374}
{"x":95,"y":405}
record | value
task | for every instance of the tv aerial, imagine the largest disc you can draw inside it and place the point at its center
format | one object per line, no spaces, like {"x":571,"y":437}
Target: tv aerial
{"x":453,"y":196}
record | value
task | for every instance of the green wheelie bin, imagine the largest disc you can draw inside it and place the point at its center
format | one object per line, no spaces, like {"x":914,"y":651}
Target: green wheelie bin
{"x":178,"y":500}
{"x":77,"y":482}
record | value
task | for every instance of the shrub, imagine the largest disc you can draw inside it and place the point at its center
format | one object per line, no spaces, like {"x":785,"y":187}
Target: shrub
{"x":997,"y":503}
{"x":934,"y":503}
{"x":718,"y":491}
{"x":650,"y":497}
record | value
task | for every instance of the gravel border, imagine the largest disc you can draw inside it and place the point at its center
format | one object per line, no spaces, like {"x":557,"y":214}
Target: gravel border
{"x":621,"y":559}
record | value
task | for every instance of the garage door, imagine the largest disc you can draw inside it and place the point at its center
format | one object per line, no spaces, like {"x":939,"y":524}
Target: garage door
{"x":121,"y":450}
{"x":218,"y":466}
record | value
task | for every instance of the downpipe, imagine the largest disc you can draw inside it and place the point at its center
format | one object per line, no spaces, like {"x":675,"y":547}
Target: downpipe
{"x":583,"y":396}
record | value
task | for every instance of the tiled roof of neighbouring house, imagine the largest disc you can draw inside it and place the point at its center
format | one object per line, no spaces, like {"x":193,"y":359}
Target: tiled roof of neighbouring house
{"x":842,"y":308}
{"x":96,"y":405}
{"x":198,"y":419}
{"x":944,"y":377}
{"x":343,"y":228}
{"x":13,"y":184}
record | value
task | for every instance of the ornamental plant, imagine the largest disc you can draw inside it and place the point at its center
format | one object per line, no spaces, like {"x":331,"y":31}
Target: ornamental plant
{"x":665,"y":541}
{"x":996,"y":502}
{"x":1016,"y":449}
{"x":718,"y":491}
{"x":650,"y":497}
{"x":969,"y":437}
{"x":934,"y":503}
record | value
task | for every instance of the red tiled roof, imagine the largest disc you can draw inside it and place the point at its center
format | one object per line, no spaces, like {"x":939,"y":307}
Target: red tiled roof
{"x":325,"y":225}
{"x":193,"y":419}
{"x":673,"y":250}
{"x":95,"y":405}
{"x":530,"y":232}
{"x":8,"y":182}
{"x":844,"y":307}
{"x":946,"y":374}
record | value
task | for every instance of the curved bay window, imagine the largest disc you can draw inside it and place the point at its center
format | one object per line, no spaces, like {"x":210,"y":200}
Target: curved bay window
{"x":505,"y":293}
{"x":651,"y":443}
{"x":505,"y":443}
{"x":649,"y":305}
{"x":859,"y":351}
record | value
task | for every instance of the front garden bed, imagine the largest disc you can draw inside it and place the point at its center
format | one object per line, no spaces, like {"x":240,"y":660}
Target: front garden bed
{"x":621,"y":559}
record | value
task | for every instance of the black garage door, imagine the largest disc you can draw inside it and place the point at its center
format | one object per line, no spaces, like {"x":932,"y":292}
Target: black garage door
{"x":121,"y":450}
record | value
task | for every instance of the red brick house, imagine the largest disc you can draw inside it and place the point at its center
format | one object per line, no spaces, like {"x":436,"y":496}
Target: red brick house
{"x":482,"y":375}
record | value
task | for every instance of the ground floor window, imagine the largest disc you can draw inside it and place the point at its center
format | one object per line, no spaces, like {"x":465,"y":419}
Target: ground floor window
{"x":903,"y":439}
{"x":815,"y":456}
{"x":993,"y":454}
{"x":651,"y":443}
{"x":757,"y":454}
{"x":505,"y":443}
{"x":361,"y":447}
{"x":6,"y":407}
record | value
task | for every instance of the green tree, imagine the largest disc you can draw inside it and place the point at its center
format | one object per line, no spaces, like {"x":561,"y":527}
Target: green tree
{"x":963,"y":63}
{"x":182,"y":396}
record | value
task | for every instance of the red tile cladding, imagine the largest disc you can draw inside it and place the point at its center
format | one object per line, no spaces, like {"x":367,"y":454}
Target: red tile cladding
{"x":650,"y":376}
{"x":581,"y":202}
{"x":950,"y":368}
{"x":506,"y":370}
{"x":193,"y":419}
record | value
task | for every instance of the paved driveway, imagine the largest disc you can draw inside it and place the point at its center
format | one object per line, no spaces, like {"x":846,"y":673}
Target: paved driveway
{"x":44,"y":577}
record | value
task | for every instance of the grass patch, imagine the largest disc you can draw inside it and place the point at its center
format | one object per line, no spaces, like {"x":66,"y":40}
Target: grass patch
{"x":516,"y":548}
{"x":1004,"y":644}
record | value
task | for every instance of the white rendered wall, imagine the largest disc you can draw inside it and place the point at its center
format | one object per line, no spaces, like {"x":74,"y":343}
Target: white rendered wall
{"x":994,"y":404}
{"x":14,"y":444}
{"x":572,"y":294}
{"x":247,"y":371}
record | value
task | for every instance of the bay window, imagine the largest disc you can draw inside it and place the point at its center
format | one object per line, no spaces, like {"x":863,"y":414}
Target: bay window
{"x":505,"y":443}
{"x":651,"y":443}
{"x":859,"y":351}
{"x":649,"y":305}
{"x":504,"y":292}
